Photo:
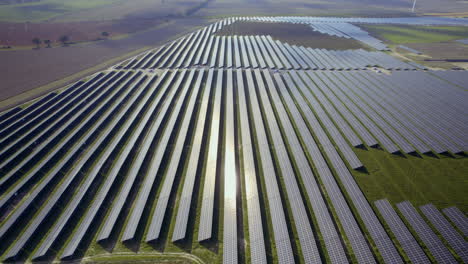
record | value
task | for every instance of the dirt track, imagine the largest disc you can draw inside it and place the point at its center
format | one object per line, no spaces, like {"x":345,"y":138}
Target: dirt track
{"x":24,"y":70}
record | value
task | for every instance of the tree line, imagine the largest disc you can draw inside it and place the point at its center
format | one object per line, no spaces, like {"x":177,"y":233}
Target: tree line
{"x":63,"y":39}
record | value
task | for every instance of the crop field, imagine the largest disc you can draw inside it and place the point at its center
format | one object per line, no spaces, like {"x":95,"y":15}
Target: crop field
{"x":231,"y":145}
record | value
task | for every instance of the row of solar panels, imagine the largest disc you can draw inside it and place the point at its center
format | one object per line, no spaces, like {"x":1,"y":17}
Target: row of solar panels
{"x":118,"y":141}
{"x":409,"y":49}
{"x":347,"y":30}
{"x":459,"y":78}
{"x":363,"y":20}
{"x":204,"y":49}
{"x":436,"y":250}
{"x":396,"y":111}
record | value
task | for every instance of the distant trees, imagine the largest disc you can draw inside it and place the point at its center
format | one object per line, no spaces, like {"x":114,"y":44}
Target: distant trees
{"x":37,"y":42}
{"x":47,"y":42}
{"x":64,"y":39}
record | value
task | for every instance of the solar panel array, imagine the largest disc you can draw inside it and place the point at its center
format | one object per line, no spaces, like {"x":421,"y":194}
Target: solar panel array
{"x":440,"y":253}
{"x":347,"y":30}
{"x":458,"y":218}
{"x":409,"y":49}
{"x":423,"y":20}
{"x":205,"y":49}
{"x":180,"y":152}
{"x":401,"y":232}
{"x":442,"y":225}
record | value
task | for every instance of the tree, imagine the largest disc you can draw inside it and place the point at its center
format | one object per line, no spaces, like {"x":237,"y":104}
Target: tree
{"x":105,"y":34}
{"x":37,"y":42}
{"x":64,"y":39}
{"x":47,"y":42}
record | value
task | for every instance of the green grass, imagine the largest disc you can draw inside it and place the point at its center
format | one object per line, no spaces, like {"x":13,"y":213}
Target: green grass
{"x":47,"y":9}
{"x":418,"y":34}
{"x":439,"y":180}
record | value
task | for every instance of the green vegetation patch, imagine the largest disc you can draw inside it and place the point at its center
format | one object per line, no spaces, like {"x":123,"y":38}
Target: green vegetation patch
{"x":421,"y":180}
{"x":417,"y":34}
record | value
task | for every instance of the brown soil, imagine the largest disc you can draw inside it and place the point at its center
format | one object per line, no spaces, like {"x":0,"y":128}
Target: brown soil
{"x":21,"y":34}
{"x":295,"y":34}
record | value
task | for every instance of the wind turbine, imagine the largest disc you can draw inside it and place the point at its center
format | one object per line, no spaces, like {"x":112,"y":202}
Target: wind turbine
{"x":414,"y":4}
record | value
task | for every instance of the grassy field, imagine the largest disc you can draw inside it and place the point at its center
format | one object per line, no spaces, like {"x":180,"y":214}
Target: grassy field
{"x":417,"y":34}
{"x":439,"y":180}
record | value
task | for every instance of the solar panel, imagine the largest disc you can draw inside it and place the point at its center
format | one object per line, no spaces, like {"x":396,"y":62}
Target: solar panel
{"x":32,"y":130}
{"x":297,"y":57}
{"x":402,"y":234}
{"x":186,"y":50}
{"x":206,"y":215}
{"x":458,"y":218}
{"x":369,"y":124}
{"x":245,"y":56}
{"x":432,"y":127}
{"x":230,"y":254}
{"x":214,"y":55}
{"x":187,"y":191}
{"x":165,"y":62}
{"x":38,"y":150}
{"x":99,"y":197}
{"x":65,"y":184}
{"x":424,"y":129}
{"x":344,"y":147}
{"x":195,"y":49}
{"x":377,"y":232}
{"x":34,"y":109}
{"x":267,"y":57}
{"x":454,"y":239}
{"x":325,"y":222}
{"x":307,"y":242}
{"x":156,"y":56}
{"x":257,"y":244}
{"x":383,"y":119}
{"x":257,"y":53}
{"x":373,"y":98}
{"x":350,"y":226}
{"x":237,"y":55}
{"x":280,"y":230}
{"x":154,"y":163}
{"x":170,"y":175}
{"x":204,"y":48}
{"x":229,"y":52}
{"x":340,"y":107}
{"x":430,"y":239}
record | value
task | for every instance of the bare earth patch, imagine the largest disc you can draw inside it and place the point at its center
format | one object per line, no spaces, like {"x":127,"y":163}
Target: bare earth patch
{"x":295,"y":34}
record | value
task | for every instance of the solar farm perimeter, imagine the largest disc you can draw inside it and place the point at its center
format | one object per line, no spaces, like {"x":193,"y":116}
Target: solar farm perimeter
{"x":237,"y":149}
